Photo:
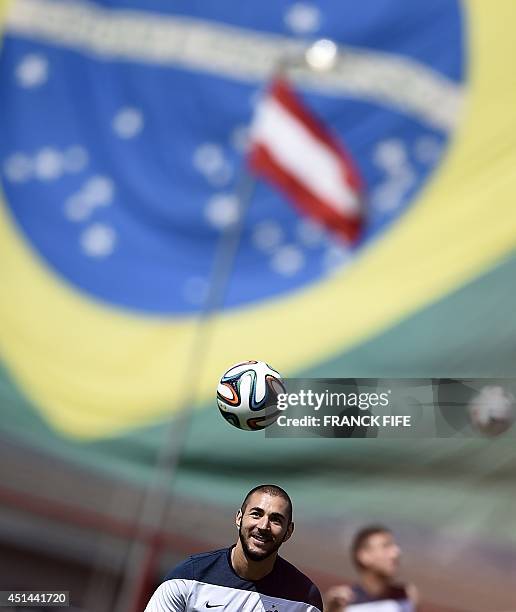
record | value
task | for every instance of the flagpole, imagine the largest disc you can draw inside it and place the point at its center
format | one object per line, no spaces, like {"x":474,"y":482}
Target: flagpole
{"x":142,"y":558}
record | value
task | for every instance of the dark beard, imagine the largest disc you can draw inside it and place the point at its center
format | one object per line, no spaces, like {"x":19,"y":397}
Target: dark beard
{"x":256,"y":556}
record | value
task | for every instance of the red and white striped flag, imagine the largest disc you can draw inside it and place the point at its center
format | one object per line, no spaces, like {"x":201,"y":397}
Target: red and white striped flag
{"x":294,"y":151}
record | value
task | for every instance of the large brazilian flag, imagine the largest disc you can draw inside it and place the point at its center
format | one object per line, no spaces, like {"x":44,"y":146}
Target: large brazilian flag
{"x":123,"y":134}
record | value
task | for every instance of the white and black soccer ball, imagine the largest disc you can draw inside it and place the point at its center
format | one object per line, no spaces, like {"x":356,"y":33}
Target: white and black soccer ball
{"x":492,"y":410}
{"x":247,"y":395}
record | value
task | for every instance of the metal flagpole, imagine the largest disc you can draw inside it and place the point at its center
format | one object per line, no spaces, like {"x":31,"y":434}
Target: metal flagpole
{"x":143,"y":555}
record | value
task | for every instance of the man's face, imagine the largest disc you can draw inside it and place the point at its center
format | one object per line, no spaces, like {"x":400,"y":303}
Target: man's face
{"x":381,"y":554}
{"x":264,"y":525}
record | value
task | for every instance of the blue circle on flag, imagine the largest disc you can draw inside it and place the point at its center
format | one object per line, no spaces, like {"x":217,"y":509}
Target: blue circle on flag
{"x":123,"y":168}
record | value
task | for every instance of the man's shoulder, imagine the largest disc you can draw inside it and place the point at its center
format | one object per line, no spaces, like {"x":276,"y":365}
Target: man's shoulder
{"x":299,"y":584}
{"x":194,"y":566}
{"x":292,"y":572}
{"x":395,"y":592}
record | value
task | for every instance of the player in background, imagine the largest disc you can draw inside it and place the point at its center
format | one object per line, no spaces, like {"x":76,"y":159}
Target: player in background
{"x":376,"y":556}
{"x":248,"y":576}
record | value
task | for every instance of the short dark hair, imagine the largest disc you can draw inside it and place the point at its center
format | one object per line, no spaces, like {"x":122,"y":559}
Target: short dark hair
{"x":273,"y":490}
{"x":361,"y":538}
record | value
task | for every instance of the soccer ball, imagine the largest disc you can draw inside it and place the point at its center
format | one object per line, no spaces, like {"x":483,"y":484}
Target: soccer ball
{"x":492,"y":410}
{"x":247,"y":395}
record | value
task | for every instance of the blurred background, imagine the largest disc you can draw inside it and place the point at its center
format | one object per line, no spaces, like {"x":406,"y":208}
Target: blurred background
{"x":124,"y":129}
